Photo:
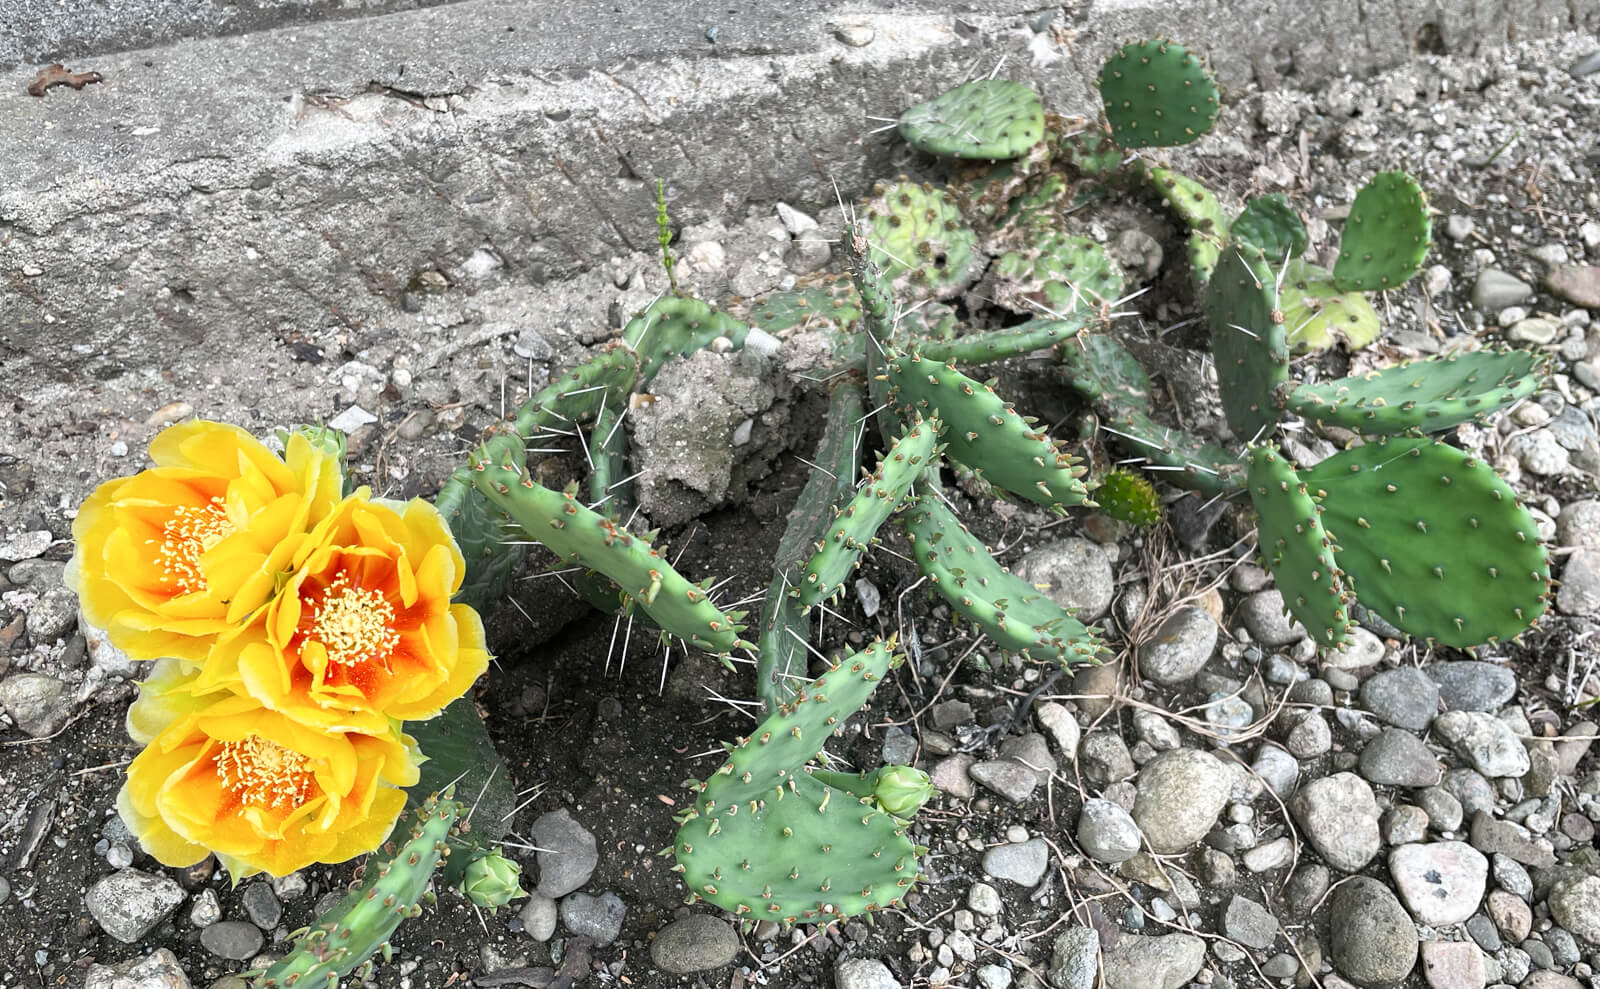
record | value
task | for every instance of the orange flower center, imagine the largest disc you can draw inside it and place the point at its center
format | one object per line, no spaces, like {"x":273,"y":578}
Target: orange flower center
{"x":185,"y":538}
{"x":355,"y":624}
{"x":264,"y":773}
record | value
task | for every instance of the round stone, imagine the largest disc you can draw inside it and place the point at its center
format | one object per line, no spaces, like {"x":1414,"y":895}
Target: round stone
{"x":1263,"y":617}
{"x":1398,"y":758}
{"x":1485,"y":741}
{"x":234,"y":939}
{"x":1404,"y":697}
{"x":1374,"y":941}
{"x":1340,"y":819}
{"x":694,"y":944}
{"x":1180,"y":647}
{"x":1472,"y":685}
{"x":1023,"y":864}
{"x":1575,"y":905}
{"x":598,"y":918}
{"x":1181,"y":793}
{"x":1076,"y":574}
{"x":1107,"y":832}
{"x":1441,"y":882}
{"x":863,"y":973}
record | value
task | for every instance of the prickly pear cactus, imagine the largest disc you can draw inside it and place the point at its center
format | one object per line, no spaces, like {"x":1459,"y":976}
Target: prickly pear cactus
{"x":1428,"y":395}
{"x":1057,"y":274}
{"x":1015,"y":614}
{"x":1386,"y":236}
{"x":1175,"y":455}
{"x":576,"y":533}
{"x":1157,"y":94}
{"x":1127,"y":497}
{"x":818,"y":302}
{"x":676,"y":326}
{"x":360,"y":925}
{"x":921,"y":241}
{"x":1432,"y":539}
{"x":1103,"y":373}
{"x":1199,"y":209}
{"x":1087,"y":148}
{"x":1296,"y":548}
{"x":1247,"y":339}
{"x":988,"y":346}
{"x":991,"y":118}
{"x":1318,"y":315}
{"x":1272,"y":226}
{"x":856,"y":525}
{"x":983,"y":432}
{"x":767,"y":840}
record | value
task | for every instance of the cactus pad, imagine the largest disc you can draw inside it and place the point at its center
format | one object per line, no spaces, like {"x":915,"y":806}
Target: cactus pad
{"x":826,"y":302}
{"x":1386,"y":236}
{"x":1157,"y":94}
{"x":1432,"y":539}
{"x":855,"y":527}
{"x":1296,"y":548}
{"x":1103,"y":372}
{"x":1176,"y":455}
{"x":360,"y":925}
{"x":1271,"y":225}
{"x":676,"y":326}
{"x":997,"y":345}
{"x":1318,"y":315}
{"x":983,"y":432}
{"x":921,"y":241}
{"x":1059,"y":273}
{"x":1087,"y":148}
{"x":1247,"y":340}
{"x":1014,"y":613}
{"x":768,"y":841}
{"x":1199,"y":209}
{"x":1128,"y":497}
{"x":1429,"y":395}
{"x":577,"y":534}
{"x":989,"y":118}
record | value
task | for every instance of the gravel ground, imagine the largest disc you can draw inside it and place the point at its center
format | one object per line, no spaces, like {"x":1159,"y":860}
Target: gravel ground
{"x":1220,"y":806}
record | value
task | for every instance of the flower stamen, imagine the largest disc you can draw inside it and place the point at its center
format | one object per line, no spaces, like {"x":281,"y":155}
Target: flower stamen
{"x":263,"y":773}
{"x":185,"y":537}
{"x":355,"y":624}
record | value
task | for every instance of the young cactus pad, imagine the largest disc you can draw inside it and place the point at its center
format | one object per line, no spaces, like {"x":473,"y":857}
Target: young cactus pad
{"x":676,"y":326}
{"x":1157,"y":94}
{"x":856,"y":525}
{"x":1386,"y":236}
{"x":1429,"y":395}
{"x":361,"y":924}
{"x":1247,"y":340}
{"x":1296,"y":548}
{"x":1128,"y":497}
{"x":1319,"y":315}
{"x":577,"y":534}
{"x":1018,"y":616}
{"x":983,"y":432}
{"x":766,"y":840}
{"x":1432,"y":539}
{"x":1058,"y":273}
{"x":1271,"y":225}
{"x":990,"y":118}
{"x":988,"y":346}
{"x":921,"y":241}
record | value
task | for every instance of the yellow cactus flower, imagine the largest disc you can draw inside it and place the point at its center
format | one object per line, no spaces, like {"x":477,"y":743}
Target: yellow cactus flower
{"x":263,"y":792}
{"x":363,"y":630}
{"x":171,"y":557}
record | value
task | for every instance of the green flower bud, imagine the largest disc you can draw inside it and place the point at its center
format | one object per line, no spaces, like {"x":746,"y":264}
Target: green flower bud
{"x":492,"y":880}
{"x":901,"y":790}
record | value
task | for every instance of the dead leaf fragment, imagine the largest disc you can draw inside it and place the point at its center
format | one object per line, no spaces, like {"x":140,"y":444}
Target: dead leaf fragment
{"x":57,"y":75}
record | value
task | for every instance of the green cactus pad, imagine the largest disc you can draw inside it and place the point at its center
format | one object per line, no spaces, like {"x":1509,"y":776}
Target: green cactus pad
{"x":360,"y":925}
{"x":1157,"y":94}
{"x":767,"y":840}
{"x":609,"y":484}
{"x":1318,"y":315}
{"x":921,"y":241}
{"x":480,"y":531}
{"x":1271,"y":225}
{"x":819,"y":302}
{"x":1429,"y":395}
{"x":576,"y":397}
{"x":1041,"y":206}
{"x":1175,"y":455}
{"x":1296,"y":548}
{"x":1103,"y":373}
{"x":878,"y":321}
{"x":1248,"y":340}
{"x":781,"y":653}
{"x":983,"y":432}
{"x":677,"y":326}
{"x":1128,"y":497}
{"x":1386,"y":236}
{"x":1058,"y":274}
{"x":575,"y":533}
{"x":855,"y":527}
{"x":997,"y":345}
{"x":1014,"y":613}
{"x":990,"y":118}
{"x":1088,"y":148}
{"x":986,"y":192}
{"x":1433,"y":540}
{"x":1201,"y":211}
